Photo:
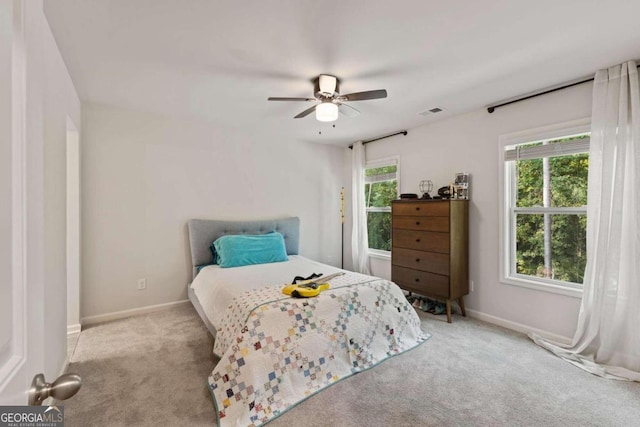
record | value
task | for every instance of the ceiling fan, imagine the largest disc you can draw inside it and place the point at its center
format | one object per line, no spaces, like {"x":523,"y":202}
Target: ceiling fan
{"x":329,"y":101}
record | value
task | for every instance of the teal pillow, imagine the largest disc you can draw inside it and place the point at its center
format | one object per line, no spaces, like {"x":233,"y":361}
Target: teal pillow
{"x":246,"y":249}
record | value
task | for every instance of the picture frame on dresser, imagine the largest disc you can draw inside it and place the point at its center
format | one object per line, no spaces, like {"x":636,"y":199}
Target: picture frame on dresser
{"x":430,"y":249}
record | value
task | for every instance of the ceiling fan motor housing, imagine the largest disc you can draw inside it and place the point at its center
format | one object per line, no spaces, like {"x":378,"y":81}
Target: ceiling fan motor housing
{"x":326,"y":86}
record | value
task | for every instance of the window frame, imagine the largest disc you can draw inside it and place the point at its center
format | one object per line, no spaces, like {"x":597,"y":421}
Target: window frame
{"x":377,"y":163}
{"x":507,"y":213}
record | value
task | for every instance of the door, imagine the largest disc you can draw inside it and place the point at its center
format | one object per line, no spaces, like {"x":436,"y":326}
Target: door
{"x":22,"y":305}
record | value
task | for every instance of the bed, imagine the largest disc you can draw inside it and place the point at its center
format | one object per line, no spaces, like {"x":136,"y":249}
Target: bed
{"x":274,"y":350}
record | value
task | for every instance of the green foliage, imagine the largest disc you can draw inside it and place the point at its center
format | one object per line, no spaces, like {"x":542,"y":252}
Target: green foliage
{"x":379,"y":192}
{"x":381,"y":170}
{"x":568,"y":188}
{"x":379,"y":229}
{"x":568,"y":181}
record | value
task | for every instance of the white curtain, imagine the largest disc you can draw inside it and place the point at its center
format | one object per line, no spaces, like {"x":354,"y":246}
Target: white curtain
{"x":359,"y":235}
{"x":607,"y":339}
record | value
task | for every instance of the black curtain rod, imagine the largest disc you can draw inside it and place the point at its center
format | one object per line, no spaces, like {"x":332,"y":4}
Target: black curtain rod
{"x":403,"y":132}
{"x":492,"y":108}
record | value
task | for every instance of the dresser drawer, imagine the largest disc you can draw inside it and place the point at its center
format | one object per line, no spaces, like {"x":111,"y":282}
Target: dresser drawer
{"x":421,"y":240}
{"x":421,"y":208}
{"x":419,"y":260}
{"x":434,"y":223}
{"x":421,"y":282}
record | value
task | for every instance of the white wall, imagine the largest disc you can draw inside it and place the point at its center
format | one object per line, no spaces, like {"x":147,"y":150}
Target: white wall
{"x":469,"y":143}
{"x":144,"y":176}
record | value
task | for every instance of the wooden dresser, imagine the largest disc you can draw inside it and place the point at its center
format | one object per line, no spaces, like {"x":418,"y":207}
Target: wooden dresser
{"x":429,"y":253}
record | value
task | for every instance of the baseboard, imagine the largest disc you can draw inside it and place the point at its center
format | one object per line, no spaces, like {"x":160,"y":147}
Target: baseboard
{"x":518,"y":327}
{"x":73,"y":334}
{"x":73,"y":329}
{"x":101,"y":318}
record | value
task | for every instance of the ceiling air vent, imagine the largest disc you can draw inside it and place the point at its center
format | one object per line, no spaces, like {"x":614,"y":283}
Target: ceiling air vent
{"x":431,"y":111}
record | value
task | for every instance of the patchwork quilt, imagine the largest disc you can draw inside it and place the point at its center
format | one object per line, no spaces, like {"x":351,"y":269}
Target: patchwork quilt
{"x":276,"y":351}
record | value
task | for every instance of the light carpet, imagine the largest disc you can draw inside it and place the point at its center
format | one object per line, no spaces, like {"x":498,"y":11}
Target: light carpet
{"x":152,"y":369}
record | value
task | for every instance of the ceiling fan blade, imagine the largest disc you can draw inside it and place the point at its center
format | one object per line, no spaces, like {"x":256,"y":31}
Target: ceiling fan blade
{"x":306,"y":112}
{"x":363,"y":96}
{"x":348,"y":110}
{"x":290,"y":99}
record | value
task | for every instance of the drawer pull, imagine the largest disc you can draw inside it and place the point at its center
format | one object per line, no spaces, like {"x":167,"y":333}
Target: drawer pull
{"x":418,"y":240}
{"x":417,"y":208}
{"x":417,"y":259}
{"x":417,"y":279}
{"x":417,"y":222}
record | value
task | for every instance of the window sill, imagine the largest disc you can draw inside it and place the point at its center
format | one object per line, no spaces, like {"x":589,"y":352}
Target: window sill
{"x":542,"y":286}
{"x":375,"y":253}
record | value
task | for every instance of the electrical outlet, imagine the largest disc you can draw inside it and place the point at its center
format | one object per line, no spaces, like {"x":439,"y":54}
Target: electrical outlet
{"x":142,"y":284}
{"x":471,"y":285}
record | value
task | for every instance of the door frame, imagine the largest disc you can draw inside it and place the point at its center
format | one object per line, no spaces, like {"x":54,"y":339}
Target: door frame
{"x":73,"y":229}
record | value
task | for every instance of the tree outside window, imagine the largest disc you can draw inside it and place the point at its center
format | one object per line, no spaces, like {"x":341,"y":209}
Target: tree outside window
{"x":381,"y":187}
{"x":548,"y":210}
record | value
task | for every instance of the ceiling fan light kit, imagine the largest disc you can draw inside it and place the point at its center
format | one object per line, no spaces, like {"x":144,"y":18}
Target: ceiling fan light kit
{"x":327,"y":112}
{"x":329,"y":101}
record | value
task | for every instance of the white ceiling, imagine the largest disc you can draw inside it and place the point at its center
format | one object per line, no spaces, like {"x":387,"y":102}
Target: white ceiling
{"x":220,"y":60}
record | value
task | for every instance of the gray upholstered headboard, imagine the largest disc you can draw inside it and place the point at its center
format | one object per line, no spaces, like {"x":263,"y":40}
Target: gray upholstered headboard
{"x":202,"y":232}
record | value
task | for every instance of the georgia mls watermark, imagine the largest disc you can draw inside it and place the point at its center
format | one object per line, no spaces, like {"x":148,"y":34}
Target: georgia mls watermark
{"x":31,"y":416}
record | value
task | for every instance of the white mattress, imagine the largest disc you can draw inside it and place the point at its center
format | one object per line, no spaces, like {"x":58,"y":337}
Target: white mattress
{"x":215,"y":287}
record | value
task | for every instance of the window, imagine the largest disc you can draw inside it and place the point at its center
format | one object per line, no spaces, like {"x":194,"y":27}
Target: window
{"x":381,"y":187}
{"x":544,"y":215}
